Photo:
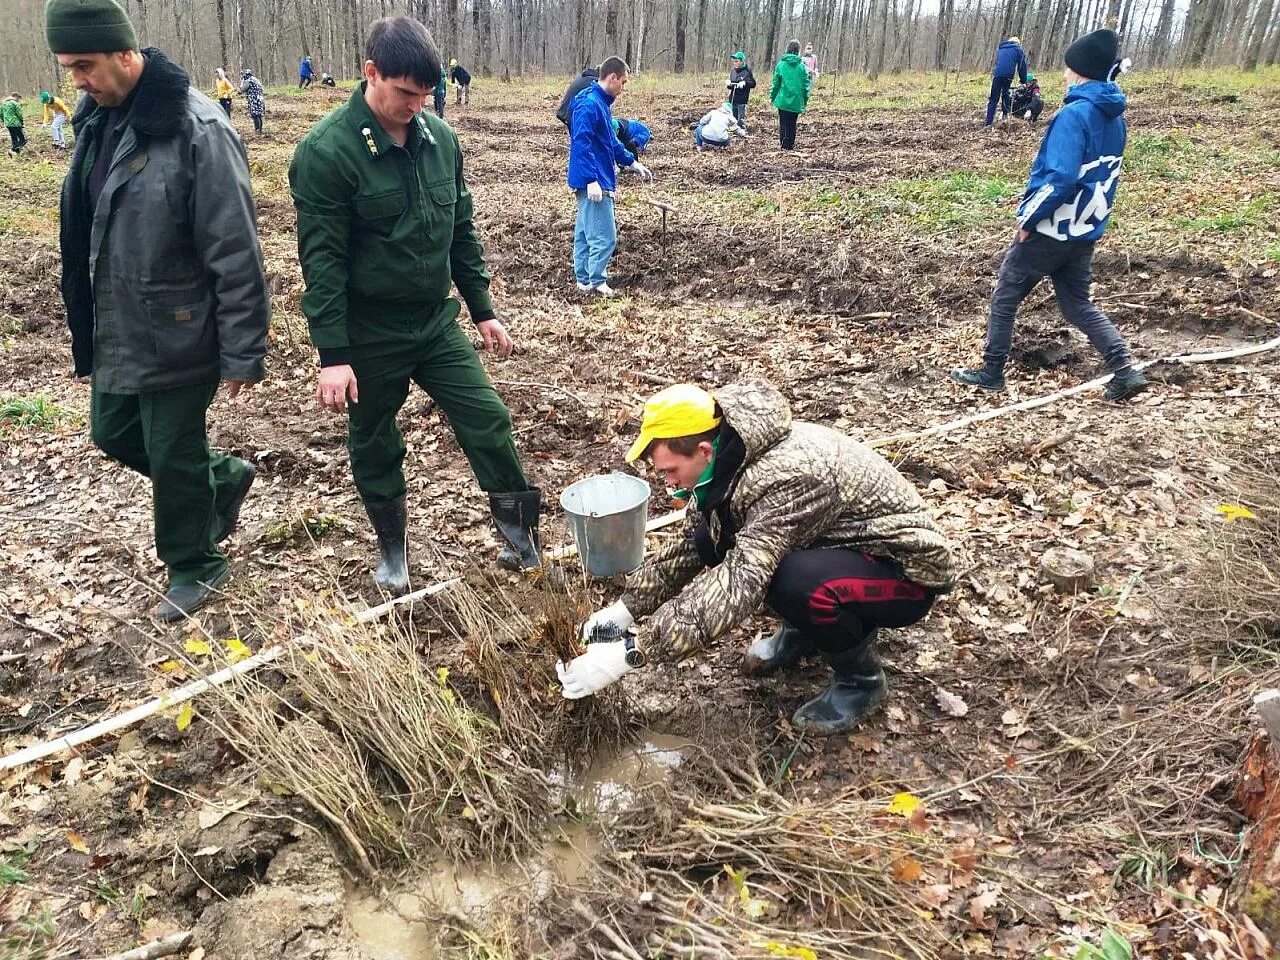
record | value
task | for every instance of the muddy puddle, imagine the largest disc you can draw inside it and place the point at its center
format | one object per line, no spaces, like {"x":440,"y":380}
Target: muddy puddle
{"x":404,"y":925}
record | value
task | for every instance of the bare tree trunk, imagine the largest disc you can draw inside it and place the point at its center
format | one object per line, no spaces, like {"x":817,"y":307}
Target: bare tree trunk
{"x":486,"y":36}
{"x":775,"y":21}
{"x":682,"y":18}
{"x":699,"y":50}
{"x":303,"y":36}
{"x":611,"y":26}
{"x":221,"y":10}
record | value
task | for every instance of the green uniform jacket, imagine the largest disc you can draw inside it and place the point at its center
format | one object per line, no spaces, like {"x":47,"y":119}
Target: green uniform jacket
{"x":383,"y":230}
{"x":790,"y":87}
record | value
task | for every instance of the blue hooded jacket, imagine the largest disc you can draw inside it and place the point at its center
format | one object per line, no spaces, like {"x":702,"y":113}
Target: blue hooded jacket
{"x":594,"y":148}
{"x":1073,"y":180}
{"x":1010,"y":60}
{"x":304,"y":67}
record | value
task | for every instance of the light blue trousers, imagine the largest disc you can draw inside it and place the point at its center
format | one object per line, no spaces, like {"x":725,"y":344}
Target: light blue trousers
{"x":595,"y":237}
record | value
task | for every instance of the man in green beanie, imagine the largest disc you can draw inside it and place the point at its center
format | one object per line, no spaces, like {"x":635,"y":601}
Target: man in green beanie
{"x":385,"y":232}
{"x":162,"y":280}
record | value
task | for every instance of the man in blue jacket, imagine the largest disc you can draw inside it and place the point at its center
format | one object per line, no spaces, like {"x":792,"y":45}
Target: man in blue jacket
{"x":1009,"y":60}
{"x":1064,"y":212}
{"x":595,"y":154}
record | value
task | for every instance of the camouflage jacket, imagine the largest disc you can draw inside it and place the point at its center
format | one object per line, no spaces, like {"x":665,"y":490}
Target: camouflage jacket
{"x":799,"y":485}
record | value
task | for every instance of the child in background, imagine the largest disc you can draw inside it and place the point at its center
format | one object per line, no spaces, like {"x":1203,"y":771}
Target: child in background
{"x":717,"y":128}
{"x":1027,"y":101}
{"x":222,"y":90}
{"x":11,"y":113}
{"x":632,"y":134}
{"x":55,"y":114}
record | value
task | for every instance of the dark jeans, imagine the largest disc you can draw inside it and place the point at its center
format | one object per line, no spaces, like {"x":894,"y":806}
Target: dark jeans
{"x":787,"y":129}
{"x":1070,"y":266}
{"x":161,"y":434}
{"x":226,"y":105}
{"x":999,"y":91}
{"x":257,"y":122}
{"x":439,"y":96}
{"x":836,"y":596}
{"x":18,"y":136}
{"x":740,"y":114}
{"x":304,"y":82}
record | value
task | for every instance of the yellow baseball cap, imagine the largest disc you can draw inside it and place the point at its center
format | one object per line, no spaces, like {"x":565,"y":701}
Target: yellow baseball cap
{"x":679,"y":411}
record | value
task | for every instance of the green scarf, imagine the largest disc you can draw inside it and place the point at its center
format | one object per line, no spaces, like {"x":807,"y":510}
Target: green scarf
{"x":700,"y":489}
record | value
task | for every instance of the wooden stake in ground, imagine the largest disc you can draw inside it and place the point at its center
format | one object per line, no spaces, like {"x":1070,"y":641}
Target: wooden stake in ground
{"x":665,"y":208}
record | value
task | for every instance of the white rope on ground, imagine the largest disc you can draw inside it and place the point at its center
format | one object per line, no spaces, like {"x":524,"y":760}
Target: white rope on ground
{"x":172,"y":698}
{"x":666,"y":520}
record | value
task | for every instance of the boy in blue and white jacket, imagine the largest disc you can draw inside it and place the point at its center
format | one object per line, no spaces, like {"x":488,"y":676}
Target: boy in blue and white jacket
{"x":595,"y":154}
{"x":1063,"y":213}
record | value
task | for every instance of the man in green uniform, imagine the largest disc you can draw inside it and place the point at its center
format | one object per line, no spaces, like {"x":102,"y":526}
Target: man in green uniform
{"x":162,"y":280}
{"x":384,"y":230}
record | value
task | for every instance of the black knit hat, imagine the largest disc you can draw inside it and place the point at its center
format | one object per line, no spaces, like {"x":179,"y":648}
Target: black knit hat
{"x":88,"y":26}
{"x":1094,"y":54}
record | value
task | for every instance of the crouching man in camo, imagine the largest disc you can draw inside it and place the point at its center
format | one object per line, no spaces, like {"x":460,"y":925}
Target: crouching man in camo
{"x":817,"y":525}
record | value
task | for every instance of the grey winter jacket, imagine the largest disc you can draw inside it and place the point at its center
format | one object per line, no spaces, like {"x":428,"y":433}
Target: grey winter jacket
{"x":163,"y":281}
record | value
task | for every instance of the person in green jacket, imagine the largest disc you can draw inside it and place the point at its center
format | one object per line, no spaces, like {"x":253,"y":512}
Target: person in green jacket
{"x":162,"y":281}
{"x":384,"y":231}
{"x":789,"y":93}
{"x":11,"y":113}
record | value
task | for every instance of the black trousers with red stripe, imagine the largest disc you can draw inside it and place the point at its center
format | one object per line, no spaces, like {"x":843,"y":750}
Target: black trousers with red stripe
{"x":836,"y":597}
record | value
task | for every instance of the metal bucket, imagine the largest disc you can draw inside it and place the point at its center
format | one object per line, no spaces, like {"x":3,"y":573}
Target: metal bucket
{"x":607,"y":514}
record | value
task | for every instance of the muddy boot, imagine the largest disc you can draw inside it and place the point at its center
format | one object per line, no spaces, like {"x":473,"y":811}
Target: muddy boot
{"x":516,"y":517}
{"x":389,"y":523}
{"x":183,"y":600}
{"x":1125,"y":384}
{"x":783,"y":648}
{"x":229,"y":517}
{"x":987,"y":377}
{"x":857,"y":686}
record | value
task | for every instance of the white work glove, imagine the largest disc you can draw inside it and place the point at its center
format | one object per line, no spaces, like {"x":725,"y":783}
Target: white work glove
{"x":594,"y":193}
{"x":616,"y":615}
{"x":601,"y":665}
{"x":641,"y":169}
{"x":741,"y":84}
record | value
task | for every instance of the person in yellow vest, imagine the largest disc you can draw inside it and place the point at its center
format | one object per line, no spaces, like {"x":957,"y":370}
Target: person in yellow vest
{"x":222,"y":90}
{"x":55,"y":113}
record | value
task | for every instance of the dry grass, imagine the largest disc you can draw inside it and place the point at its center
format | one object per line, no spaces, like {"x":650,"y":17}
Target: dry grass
{"x":456,"y":751}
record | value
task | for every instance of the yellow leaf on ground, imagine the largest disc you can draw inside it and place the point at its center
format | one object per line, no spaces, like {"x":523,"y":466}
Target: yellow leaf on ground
{"x":237,"y":651}
{"x":76,"y":842}
{"x":777,"y":949}
{"x":170,"y":666}
{"x":197,"y":648}
{"x":906,"y":870}
{"x":185,"y":715}
{"x":1233,"y":511}
{"x":904,"y":804}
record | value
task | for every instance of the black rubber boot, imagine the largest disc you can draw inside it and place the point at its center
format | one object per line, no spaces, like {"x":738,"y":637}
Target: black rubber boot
{"x":516,"y":517}
{"x":390,"y":523}
{"x":783,"y":648}
{"x":857,"y":687}
{"x":1125,"y":384}
{"x":182,"y":601}
{"x":229,"y":517}
{"x":988,"y":377}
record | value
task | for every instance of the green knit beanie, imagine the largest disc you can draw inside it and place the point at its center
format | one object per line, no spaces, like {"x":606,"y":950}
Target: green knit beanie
{"x":88,"y":26}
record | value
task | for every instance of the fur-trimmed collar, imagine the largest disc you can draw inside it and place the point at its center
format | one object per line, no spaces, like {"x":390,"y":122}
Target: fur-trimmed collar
{"x":159,"y":100}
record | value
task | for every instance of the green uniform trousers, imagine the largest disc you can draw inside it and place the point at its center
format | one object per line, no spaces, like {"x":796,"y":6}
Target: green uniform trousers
{"x":161,"y":434}
{"x":441,"y":360}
